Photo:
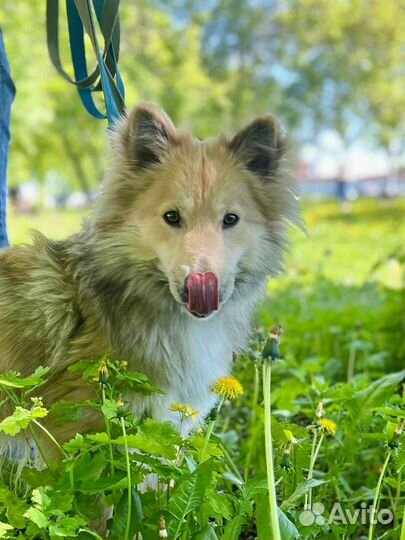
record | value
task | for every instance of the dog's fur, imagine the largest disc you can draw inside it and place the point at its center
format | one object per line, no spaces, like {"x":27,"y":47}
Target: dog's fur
{"x":117,"y":285}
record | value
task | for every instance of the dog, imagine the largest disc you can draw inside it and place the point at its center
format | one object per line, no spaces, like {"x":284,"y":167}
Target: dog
{"x":167,"y":271}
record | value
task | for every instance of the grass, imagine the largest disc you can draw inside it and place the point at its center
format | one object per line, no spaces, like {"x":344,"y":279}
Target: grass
{"x":337,"y":404}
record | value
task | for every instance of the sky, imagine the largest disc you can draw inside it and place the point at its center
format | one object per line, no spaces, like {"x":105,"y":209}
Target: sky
{"x":328,"y":157}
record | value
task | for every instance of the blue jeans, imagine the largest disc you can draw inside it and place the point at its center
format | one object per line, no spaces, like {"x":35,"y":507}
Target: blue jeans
{"x":7,"y":93}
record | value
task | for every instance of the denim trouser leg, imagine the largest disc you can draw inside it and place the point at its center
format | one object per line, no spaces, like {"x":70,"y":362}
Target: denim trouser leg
{"x":7,"y":92}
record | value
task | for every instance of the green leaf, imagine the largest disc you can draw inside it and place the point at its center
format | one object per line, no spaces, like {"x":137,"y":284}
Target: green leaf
{"x":88,"y":369}
{"x":376,"y":394}
{"x":299,"y":492}
{"x":137,"y":382}
{"x":233,"y":528}
{"x":220,"y":504}
{"x":4,"y":529}
{"x":155,"y":438}
{"x":90,"y":533}
{"x":231,"y":477}
{"x":77,"y":443}
{"x":109,"y":409}
{"x":102,"y":438}
{"x":208,"y":533}
{"x":15,"y":508}
{"x":254,"y":487}
{"x":66,"y":527}
{"x":288,"y":530}
{"x":40,"y":498}
{"x":197,"y":442}
{"x":65,"y":411}
{"x":106,"y":483}
{"x":390,"y":411}
{"x":90,"y":466}
{"x":188,"y":496}
{"x":36,"y":516}
{"x":14,"y":379}
{"x":21,"y":419}
{"x":119,"y":521}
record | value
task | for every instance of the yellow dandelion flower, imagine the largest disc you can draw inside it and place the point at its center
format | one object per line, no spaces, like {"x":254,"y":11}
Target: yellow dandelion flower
{"x":228,"y":387}
{"x":185,"y":410}
{"x":328,"y":425}
{"x":177,"y":407}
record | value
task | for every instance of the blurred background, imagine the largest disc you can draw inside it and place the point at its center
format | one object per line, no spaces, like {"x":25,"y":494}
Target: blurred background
{"x":333,"y":72}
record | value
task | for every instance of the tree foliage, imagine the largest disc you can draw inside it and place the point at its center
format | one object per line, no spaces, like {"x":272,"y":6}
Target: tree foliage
{"x":316,"y":64}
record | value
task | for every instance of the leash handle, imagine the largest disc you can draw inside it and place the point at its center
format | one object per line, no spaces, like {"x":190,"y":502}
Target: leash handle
{"x":106,"y":76}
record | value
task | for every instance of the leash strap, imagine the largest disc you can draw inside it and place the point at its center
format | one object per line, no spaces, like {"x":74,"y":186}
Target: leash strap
{"x":105,"y":76}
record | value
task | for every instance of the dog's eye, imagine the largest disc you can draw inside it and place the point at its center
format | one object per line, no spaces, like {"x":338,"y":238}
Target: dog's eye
{"x":172,"y":218}
{"x":230,"y":220}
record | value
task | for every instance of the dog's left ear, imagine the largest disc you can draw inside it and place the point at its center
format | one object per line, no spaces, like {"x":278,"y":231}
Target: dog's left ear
{"x":260,"y":146}
{"x":149,"y":135}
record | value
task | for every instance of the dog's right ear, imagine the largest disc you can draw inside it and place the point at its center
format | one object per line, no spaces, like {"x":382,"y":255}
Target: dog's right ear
{"x":260,"y":146}
{"x":149,"y":135}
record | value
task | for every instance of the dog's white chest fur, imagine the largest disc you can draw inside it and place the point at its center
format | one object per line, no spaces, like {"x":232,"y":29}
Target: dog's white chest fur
{"x":191,"y":357}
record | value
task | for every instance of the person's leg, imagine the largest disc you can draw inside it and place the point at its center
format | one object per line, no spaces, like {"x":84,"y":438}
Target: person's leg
{"x":7,"y":92}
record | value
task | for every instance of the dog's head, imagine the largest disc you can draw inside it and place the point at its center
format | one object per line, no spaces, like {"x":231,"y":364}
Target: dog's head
{"x":211,"y":216}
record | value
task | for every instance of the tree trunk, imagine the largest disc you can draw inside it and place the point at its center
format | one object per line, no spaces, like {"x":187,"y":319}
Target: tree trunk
{"x":77,"y":165}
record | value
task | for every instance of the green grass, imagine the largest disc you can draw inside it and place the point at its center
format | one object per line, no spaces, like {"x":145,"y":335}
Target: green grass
{"x":55,"y":224}
{"x":341,"y":304}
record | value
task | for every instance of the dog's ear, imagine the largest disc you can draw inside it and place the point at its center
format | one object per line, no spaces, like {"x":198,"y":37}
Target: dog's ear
{"x":150,"y":134}
{"x":260,"y":146}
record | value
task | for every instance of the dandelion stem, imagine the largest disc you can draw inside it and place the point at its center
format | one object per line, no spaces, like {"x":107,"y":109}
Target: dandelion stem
{"x":108,"y":430}
{"x":51,"y":437}
{"x":310,"y":469}
{"x":397,"y":497}
{"x":402,"y":537}
{"x":129,"y":481}
{"x":253,"y":407}
{"x":275,"y":526}
{"x":351,"y":363}
{"x":209,"y":432}
{"x":312,"y":465}
{"x":41,"y":450}
{"x":377,"y":497}
{"x":232,"y":463}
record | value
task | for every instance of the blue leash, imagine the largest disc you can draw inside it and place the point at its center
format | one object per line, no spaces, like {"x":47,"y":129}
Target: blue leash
{"x":106,"y":76}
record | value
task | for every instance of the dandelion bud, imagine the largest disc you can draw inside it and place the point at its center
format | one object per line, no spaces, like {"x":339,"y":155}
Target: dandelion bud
{"x":400,"y":427}
{"x":162,"y":528}
{"x":120,"y":407}
{"x":320,"y":411}
{"x":286,"y":459}
{"x":103,"y":374}
{"x":271,"y":349}
{"x":213,"y":415}
{"x":394,"y":442}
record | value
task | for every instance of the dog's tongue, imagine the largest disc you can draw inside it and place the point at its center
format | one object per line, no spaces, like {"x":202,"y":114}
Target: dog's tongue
{"x":203,"y":297}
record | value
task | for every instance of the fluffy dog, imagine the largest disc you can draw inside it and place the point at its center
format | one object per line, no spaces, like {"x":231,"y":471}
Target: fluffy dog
{"x":167,"y":271}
